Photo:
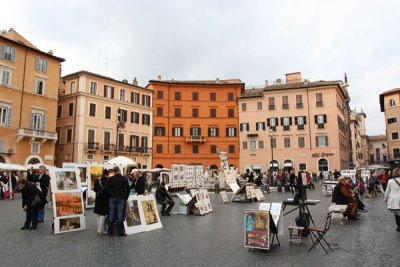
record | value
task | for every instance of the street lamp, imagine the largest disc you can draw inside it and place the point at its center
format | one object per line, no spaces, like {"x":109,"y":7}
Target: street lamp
{"x":116,"y":136}
{"x":271,"y":135}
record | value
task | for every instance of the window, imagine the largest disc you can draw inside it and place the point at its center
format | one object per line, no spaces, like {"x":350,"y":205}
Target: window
{"x":41,"y":64}
{"x":318,"y":97}
{"x":271,"y":103}
{"x":72,"y":87}
{"x":93,"y":88}
{"x":321,"y":141}
{"x":213,"y":112}
{"x":213,"y":96}
{"x":177,"y":149}
{"x":134,"y":143}
{"x":213,"y":149}
{"x":299,"y":101}
{"x":396,"y":153}
{"x":260,"y":126}
{"x":35,"y":148}
{"x":301,"y":141}
{"x":195,"y":96}
{"x":253,"y":145}
{"x":286,"y":122}
{"x":107,"y":113}
{"x":244,"y":145}
{"x":122,"y":93}
{"x":91,"y":139}
{"x":159,"y":148}
{"x":244,"y":106}
{"x":300,"y":121}
{"x":286,"y":142}
{"x":135,"y":98}
{"x":395,"y":136}
{"x":231,"y":113}
{"x":195,"y":131}
{"x":68,"y":136}
{"x":392,"y":120}
{"x":39,"y":86}
{"x":145,"y":119}
{"x":7,"y":52}
{"x":5,"y":76}
{"x":145,"y":143}
{"x":146,"y":100}
{"x":59,"y":111}
{"x":259,"y":106}
{"x":231,"y":149}
{"x":160,"y":111}
{"x":260,"y":144}
{"x":195,"y":112}
{"x":92,"y":110}
{"x":177,"y":112}
{"x":160,"y":94}
{"x":230,"y":97}
{"x":134,"y":117}
{"x":302,"y":166}
{"x":5,"y":116}
{"x":107,"y":140}
{"x":273,"y":142}
{"x":71,"y":109}
{"x":37,"y":121}
{"x":392,"y":103}
{"x":213,"y":132}
{"x":272,"y":123}
{"x":177,"y":131}
{"x":109,"y":91}
{"x":285,"y":102}
{"x":320,"y":120}
{"x":159,"y":131}
{"x":177,"y":95}
{"x":195,"y":149}
{"x":244,"y":127}
{"x":230,"y":132}
{"x":122,"y":115}
{"x":90,"y":157}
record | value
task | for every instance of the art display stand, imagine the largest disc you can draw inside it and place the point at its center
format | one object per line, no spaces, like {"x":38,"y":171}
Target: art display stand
{"x":184,"y":203}
{"x":242,"y":194}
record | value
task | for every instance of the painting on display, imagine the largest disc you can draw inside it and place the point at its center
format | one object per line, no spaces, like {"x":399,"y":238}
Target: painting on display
{"x":65,"y":180}
{"x":148,"y":208}
{"x":67,"y":204}
{"x":250,"y":191}
{"x":203,"y":201}
{"x":134,"y":222}
{"x":95,"y":173}
{"x":259,"y":195}
{"x":69,"y":224}
{"x":256,"y":229}
{"x":82,"y":174}
{"x":224,"y":196}
{"x":235,"y":187}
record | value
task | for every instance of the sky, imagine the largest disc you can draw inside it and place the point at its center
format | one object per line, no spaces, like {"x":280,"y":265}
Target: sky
{"x":250,"y":40}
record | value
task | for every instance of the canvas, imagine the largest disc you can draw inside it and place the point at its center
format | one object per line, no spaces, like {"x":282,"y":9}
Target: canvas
{"x":69,"y":224}
{"x":66,"y":204}
{"x":134,"y":220}
{"x":148,"y":209}
{"x":256,"y":229}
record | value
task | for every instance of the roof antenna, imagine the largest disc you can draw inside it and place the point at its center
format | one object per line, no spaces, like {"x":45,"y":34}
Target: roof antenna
{"x":345,"y":78}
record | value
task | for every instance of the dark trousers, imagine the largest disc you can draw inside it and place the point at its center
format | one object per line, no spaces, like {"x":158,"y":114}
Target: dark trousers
{"x":397,"y":221}
{"x":41,"y":215}
{"x":164,"y":204}
{"x":31,"y":217}
{"x":119,"y":204}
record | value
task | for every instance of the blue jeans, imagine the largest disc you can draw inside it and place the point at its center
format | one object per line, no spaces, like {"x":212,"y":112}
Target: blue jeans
{"x":41,"y":215}
{"x":120,"y":203}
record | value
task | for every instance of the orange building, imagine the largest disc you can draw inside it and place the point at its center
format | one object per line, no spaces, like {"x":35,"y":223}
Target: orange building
{"x":193,"y":120}
{"x":29,"y":82}
{"x":390,"y":105}
{"x":99,"y":117}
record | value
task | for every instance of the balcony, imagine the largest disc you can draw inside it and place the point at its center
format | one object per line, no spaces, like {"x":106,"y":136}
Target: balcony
{"x":36,"y":135}
{"x":92,"y":147}
{"x":8,"y":150}
{"x":271,"y":107}
{"x":107,"y":148}
{"x":299,"y":105}
{"x":285,"y":106}
{"x":134,"y":149}
{"x":320,"y":104}
{"x":195,"y":139}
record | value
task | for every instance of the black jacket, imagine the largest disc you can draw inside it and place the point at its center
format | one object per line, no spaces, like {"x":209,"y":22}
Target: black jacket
{"x":101,"y":202}
{"x":140,"y":185}
{"x":28,"y":193}
{"x":338,"y":197}
{"x":162,"y":194}
{"x":44,"y":183}
{"x":118,"y":186}
{"x":258,"y":180}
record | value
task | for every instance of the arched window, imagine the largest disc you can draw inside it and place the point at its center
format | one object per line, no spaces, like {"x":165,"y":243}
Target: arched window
{"x":392,"y":103}
{"x":323,"y":165}
{"x":33,"y":161}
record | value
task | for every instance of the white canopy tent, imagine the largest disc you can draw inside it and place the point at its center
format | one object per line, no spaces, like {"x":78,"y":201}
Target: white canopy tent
{"x":121,"y":160}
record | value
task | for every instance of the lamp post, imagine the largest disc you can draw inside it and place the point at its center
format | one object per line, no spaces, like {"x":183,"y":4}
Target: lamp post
{"x":116,"y":135}
{"x":271,"y":135}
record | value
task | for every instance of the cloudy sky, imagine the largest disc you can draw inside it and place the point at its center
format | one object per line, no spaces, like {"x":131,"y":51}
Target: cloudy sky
{"x":250,"y":40}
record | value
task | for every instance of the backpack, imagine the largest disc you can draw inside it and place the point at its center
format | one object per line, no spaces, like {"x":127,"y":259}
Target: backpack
{"x":303,"y":220}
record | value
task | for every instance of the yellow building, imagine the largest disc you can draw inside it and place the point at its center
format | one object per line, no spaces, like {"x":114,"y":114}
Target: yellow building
{"x":29,"y":82}
{"x":87,"y":116}
{"x":390,"y":104}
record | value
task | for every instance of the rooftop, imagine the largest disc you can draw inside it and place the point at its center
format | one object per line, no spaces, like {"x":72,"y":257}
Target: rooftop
{"x":200,"y":82}
{"x":377,"y":137}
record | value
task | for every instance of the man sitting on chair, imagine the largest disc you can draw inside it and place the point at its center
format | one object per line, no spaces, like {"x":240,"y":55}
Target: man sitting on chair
{"x":342,"y":196}
{"x":164,"y":199}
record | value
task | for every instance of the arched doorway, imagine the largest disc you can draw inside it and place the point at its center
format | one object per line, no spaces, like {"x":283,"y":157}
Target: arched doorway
{"x":287,"y":166}
{"x":323,"y":165}
{"x":159,"y":166}
{"x":2,"y":159}
{"x":273,"y":166}
{"x":33,"y":161}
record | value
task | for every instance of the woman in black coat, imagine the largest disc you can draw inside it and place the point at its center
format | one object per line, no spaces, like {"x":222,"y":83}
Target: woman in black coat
{"x":101,"y":202}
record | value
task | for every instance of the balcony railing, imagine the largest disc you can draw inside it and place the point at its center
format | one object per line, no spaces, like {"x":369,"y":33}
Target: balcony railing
{"x":195,"y":139}
{"x":36,"y":134}
{"x":92,"y":146}
{"x":134,"y":149}
{"x":7,"y":150}
{"x":107,"y":147}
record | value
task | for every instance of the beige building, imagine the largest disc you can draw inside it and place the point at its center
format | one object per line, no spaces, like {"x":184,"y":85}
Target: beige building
{"x":29,"y":82}
{"x":357,"y":128}
{"x":390,"y":104}
{"x":295,"y":124}
{"x":377,"y":149}
{"x":99,"y":117}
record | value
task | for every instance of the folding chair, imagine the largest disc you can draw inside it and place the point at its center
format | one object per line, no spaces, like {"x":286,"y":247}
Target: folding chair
{"x":319,"y":232}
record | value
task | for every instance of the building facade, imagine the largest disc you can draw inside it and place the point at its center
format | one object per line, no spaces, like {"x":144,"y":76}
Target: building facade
{"x":295,"y":125}
{"x":99,"y":118}
{"x":29,"y":82}
{"x":193,"y":120}
{"x":390,"y":105}
{"x":378,"y":149}
{"x":357,"y":128}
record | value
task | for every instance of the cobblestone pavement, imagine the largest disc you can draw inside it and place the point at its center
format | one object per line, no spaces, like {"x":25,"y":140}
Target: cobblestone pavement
{"x":215,"y":239}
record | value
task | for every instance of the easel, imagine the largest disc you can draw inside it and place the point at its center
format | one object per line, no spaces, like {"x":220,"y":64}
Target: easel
{"x":273,"y":229}
{"x":240,"y":195}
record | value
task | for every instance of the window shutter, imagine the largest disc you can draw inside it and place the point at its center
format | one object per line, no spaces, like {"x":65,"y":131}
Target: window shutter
{"x":45,"y":65}
{"x":324,"y":118}
{"x":282,"y":121}
{"x":43,"y":122}
{"x":256,"y":126}
{"x":326,"y":141}
{"x":37,"y":63}
{"x":112,"y":92}
{"x":305,"y":120}
{"x":2,"y":50}
{"x":316,"y":119}
{"x":105,"y":90}
{"x":13,"y":52}
{"x":295,"y":120}
{"x":241,"y":127}
{"x":290,"y":121}
{"x":227,"y":131}
{"x":316,"y":141}
{"x":268,"y":123}
{"x":9,"y":117}
{"x":31,"y":121}
{"x":277,"y":122}
{"x":125,"y":116}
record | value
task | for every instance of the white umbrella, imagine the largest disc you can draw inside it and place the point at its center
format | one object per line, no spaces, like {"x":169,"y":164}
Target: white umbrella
{"x":11,"y":167}
{"x":36,"y":166}
{"x":121,"y":160}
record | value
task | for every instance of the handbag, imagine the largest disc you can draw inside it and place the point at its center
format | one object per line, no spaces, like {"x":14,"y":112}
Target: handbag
{"x":103,"y":193}
{"x":37,"y":201}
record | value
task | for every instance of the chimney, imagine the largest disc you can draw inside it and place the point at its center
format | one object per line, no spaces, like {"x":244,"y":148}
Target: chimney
{"x":159,"y":77}
{"x":135,"y":82}
{"x":294,"y":77}
{"x":11,"y":30}
{"x":266,"y":83}
{"x":278,"y":81}
{"x":50,"y":52}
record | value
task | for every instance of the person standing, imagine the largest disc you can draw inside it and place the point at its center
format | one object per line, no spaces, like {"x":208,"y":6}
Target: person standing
{"x":164,"y":199}
{"x":29,"y":191}
{"x":383,"y":178}
{"x":139,"y":182}
{"x":42,"y":180}
{"x":392,"y":196}
{"x":101,"y":202}
{"x":118,"y":189}
{"x":292,"y":179}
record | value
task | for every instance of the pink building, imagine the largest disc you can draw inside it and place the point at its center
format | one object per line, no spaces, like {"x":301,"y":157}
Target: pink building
{"x":357,"y":128}
{"x":378,"y":153}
